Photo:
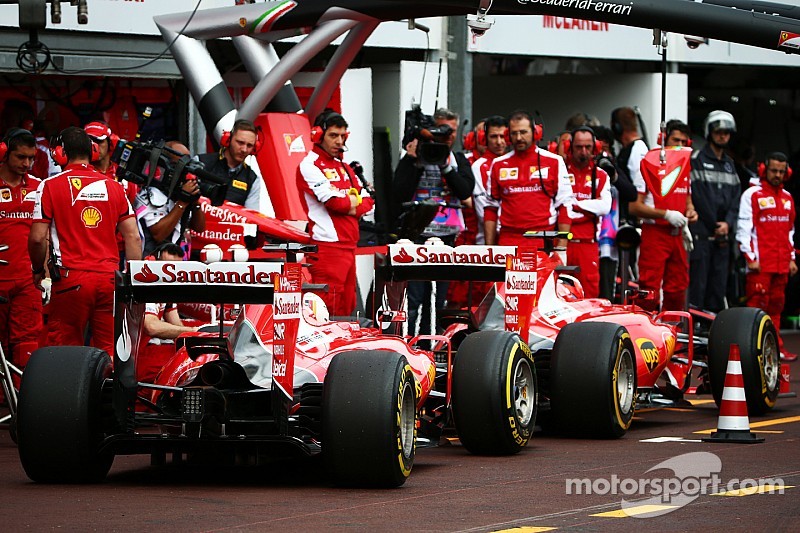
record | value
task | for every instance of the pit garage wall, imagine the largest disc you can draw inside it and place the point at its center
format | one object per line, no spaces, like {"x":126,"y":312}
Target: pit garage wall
{"x":557,"y":97}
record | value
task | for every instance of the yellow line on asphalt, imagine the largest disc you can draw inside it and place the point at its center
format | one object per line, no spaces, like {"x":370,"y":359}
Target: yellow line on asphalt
{"x":634,"y":511}
{"x":762,"y":424}
{"x":761,"y":489}
{"x":524,"y":529}
{"x":700,"y":402}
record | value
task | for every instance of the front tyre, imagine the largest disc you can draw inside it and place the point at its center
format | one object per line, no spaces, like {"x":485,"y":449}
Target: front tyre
{"x":60,"y":416}
{"x":494,"y":393}
{"x":593,"y":380}
{"x":369,"y":415}
{"x":753,"y":330}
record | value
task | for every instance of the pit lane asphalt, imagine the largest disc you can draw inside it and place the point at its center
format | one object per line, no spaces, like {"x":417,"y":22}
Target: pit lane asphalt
{"x":449,"y":489}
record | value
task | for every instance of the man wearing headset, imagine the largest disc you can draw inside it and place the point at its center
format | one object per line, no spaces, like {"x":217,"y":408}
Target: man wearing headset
{"x":245,"y":187}
{"x":664,"y":262}
{"x":81,"y":210}
{"x":592,"y":188}
{"x":334,"y":201}
{"x":21,"y":316}
{"x":765,"y":233}
{"x":531,"y":185}
{"x":164,"y":220}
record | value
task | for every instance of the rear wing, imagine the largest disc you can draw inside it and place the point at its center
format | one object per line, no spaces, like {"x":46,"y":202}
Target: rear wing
{"x":439,"y":262}
{"x":193,"y":281}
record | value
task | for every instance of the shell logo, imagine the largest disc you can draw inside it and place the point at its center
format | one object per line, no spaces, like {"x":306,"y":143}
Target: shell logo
{"x":91,"y":217}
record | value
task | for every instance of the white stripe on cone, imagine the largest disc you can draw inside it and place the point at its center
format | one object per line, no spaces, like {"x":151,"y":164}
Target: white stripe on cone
{"x":734,"y":394}
{"x":733,"y":423}
{"x":734,"y":367}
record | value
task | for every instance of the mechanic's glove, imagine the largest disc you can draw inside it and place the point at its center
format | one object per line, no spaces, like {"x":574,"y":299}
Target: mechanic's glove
{"x":675,"y":218}
{"x":355,"y":193}
{"x":47,"y":284}
{"x":187,"y":197}
{"x":562,"y":254}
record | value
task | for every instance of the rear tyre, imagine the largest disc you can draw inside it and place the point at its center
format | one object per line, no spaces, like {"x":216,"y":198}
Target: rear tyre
{"x":494,"y":393}
{"x":369,"y":415}
{"x":753,"y":330}
{"x":60,"y":416}
{"x":593,"y":380}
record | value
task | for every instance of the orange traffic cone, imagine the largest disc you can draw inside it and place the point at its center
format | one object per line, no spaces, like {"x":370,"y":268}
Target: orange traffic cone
{"x":733,"y":424}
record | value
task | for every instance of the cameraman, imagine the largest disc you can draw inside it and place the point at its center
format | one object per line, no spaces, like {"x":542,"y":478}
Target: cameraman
{"x":245,"y":187}
{"x":163,"y":220}
{"x":451,"y":181}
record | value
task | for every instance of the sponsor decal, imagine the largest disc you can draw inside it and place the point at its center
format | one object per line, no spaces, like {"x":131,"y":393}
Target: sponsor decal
{"x":5,"y":194}
{"x":196,"y":273}
{"x":520,"y":294}
{"x":286,"y":320}
{"x":787,"y":204}
{"x":223,"y":215}
{"x":649,"y":353}
{"x":76,"y":182}
{"x":571,"y":178}
{"x":564,"y":23}
{"x":91,"y":217}
{"x":766,"y":202}
{"x":508,"y":174}
{"x":437,"y":255}
{"x":543,"y":172}
{"x":584,"y":5}
{"x":331,"y":174}
{"x":789,"y":40}
{"x":29,"y":196}
{"x":294,"y":143}
{"x":94,"y":192}
{"x":239,"y":185}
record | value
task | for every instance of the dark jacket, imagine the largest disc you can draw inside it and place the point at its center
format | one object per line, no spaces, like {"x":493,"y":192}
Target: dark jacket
{"x":715,"y":192}
{"x":242,"y":178}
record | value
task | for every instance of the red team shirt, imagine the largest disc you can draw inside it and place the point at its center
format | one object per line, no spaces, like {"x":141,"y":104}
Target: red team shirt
{"x":324,"y":182}
{"x":766,"y":227}
{"x":85,"y":208}
{"x":588,"y":210}
{"x":517,"y":180}
{"x":16,"y":217}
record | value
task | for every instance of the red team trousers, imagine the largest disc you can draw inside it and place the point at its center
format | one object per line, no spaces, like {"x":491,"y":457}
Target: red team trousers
{"x":82,"y":297}
{"x":336,"y":266}
{"x":664,"y":265}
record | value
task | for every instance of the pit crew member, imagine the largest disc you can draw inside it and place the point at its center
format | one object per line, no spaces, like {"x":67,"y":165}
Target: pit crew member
{"x":765,"y":233}
{"x":21,"y":316}
{"x":246,"y":187}
{"x":530,"y":184}
{"x":81,"y":210}
{"x":663,"y":262}
{"x":334,"y":201}
{"x":161,"y":325}
{"x":592,"y":189}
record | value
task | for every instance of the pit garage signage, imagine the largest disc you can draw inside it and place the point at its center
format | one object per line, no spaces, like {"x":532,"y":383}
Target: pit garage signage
{"x":287,"y":305}
{"x":412,"y":255}
{"x":176,"y":273}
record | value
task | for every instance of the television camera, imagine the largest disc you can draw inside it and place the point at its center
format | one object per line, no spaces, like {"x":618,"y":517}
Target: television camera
{"x":432,"y":148}
{"x":152,"y":164}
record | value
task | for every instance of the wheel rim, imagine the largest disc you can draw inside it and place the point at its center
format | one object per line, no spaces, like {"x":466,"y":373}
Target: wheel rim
{"x":524,"y":392}
{"x":625,"y":379}
{"x":771,"y":365}
{"x":407,"y":419}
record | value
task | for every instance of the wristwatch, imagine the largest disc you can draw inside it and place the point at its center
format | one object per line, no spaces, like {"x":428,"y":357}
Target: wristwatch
{"x":39,"y":270}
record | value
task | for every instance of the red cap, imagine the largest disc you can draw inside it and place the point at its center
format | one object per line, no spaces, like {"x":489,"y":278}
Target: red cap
{"x":97,"y":131}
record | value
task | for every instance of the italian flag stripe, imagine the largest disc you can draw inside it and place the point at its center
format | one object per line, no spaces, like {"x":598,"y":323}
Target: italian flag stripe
{"x":264,"y":22}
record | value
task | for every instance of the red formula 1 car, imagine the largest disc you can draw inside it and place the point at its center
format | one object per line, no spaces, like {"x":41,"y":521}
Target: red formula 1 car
{"x":283,"y":378}
{"x":594,"y":362}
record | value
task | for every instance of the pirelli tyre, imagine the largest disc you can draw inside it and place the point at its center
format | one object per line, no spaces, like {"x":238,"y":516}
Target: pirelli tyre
{"x":494,"y":393}
{"x":369,"y":415}
{"x":61,"y":415}
{"x":753,"y":330}
{"x":593,"y":380}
